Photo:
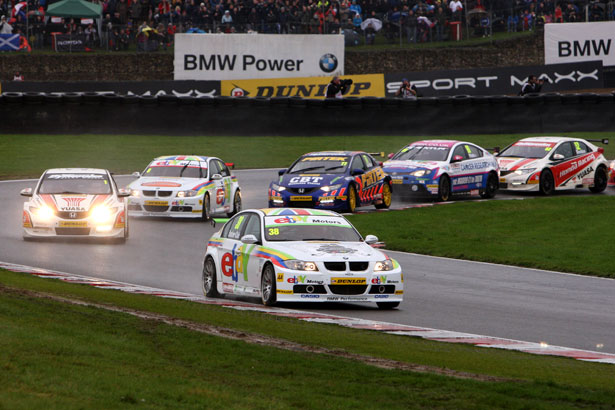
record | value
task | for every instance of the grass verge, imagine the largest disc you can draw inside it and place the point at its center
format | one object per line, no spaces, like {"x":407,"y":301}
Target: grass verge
{"x":27,"y":156}
{"x":94,"y":358}
{"x":546,"y":233}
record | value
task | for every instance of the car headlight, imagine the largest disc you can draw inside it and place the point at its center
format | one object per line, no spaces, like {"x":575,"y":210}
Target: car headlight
{"x":301,"y":265}
{"x":44,"y":213}
{"x":278,"y":188}
{"x":101,"y":214}
{"x":418,"y":173}
{"x":525,"y":171}
{"x":383,"y":266}
{"x":331,"y":187}
{"x":187,"y":194}
{"x":135,"y":193}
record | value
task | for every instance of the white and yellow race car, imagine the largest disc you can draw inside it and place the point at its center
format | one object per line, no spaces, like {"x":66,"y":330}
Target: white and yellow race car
{"x":75,"y":202}
{"x":185,"y":186}
{"x":299,"y":255}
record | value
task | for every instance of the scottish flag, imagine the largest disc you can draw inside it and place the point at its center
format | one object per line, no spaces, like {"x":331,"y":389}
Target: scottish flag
{"x":9,"y":42}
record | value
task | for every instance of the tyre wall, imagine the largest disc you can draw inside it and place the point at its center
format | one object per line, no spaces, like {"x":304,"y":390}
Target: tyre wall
{"x":93,"y":113}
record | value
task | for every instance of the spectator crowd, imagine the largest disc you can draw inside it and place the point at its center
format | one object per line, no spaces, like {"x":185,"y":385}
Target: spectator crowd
{"x":152,"y":23}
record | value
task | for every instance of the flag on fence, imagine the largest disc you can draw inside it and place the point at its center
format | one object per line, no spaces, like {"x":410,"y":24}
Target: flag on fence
{"x":9,"y":42}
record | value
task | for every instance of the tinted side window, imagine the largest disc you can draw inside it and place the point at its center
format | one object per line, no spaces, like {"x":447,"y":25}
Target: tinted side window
{"x":581,"y":148}
{"x":473,"y":152}
{"x":253,"y":226}
{"x":565,"y":149}
{"x":213,"y":168}
{"x":460,"y":150}
{"x":369,"y":163}
{"x":234,"y":227}
{"x":357,"y":163}
{"x":223,"y":169}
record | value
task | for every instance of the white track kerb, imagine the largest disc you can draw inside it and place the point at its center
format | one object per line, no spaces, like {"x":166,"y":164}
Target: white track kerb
{"x":390,"y":328}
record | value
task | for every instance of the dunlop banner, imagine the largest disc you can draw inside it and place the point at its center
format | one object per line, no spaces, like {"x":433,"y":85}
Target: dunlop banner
{"x":367,"y":85}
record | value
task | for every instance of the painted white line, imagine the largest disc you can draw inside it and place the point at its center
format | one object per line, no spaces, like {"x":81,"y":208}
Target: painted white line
{"x":385,"y":327}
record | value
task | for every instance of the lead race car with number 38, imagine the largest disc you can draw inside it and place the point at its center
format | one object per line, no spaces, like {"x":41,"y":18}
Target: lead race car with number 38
{"x":299,"y":255}
{"x":549,"y":164}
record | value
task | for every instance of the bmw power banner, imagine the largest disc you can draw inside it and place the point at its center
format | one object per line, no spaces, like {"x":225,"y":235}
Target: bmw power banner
{"x":366,"y":85}
{"x":252,"y":56}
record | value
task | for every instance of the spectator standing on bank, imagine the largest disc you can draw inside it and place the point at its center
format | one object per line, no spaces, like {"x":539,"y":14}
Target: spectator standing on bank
{"x":90,"y":35}
{"x":5,"y":28}
{"x":532,"y":85}
{"x":18,"y":76}
{"x":440,"y":20}
{"x":456,"y":8}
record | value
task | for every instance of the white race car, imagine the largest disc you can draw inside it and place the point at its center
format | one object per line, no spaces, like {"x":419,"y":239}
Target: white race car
{"x":441,"y":168}
{"x":292,"y":255}
{"x":185,"y":186}
{"x":612,"y":173}
{"x":75,"y":202}
{"x":547,"y":164}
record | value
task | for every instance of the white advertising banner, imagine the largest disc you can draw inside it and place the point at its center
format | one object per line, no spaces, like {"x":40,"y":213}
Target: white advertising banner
{"x":576,"y":42}
{"x":252,"y":56}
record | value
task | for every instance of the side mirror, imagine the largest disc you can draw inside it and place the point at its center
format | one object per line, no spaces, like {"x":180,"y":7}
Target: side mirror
{"x":357,"y":171}
{"x":390,"y":155}
{"x":282,"y":171}
{"x":136,"y":174}
{"x":558,"y":157}
{"x":601,"y":150}
{"x":371,"y":239}
{"x":249,"y":239}
{"x":124,"y":192}
{"x":457,"y":158}
{"x":26,"y":192}
{"x":216,"y":177}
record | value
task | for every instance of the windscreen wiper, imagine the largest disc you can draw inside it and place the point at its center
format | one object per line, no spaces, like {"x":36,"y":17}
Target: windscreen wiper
{"x":306,"y":169}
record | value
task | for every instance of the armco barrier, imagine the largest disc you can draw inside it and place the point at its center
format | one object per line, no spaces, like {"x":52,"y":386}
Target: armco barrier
{"x":104,"y":113}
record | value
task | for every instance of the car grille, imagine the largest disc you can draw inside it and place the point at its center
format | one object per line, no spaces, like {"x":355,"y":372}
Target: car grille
{"x":134,"y":207}
{"x":388,"y":289}
{"x":503,"y":185}
{"x":504,"y":173}
{"x":160,"y":193}
{"x":181,"y":209}
{"x":358,"y":266}
{"x":348,"y":289}
{"x":336,"y":266}
{"x":71,"y":215}
{"x":306,"y":191}
{"x":300,"y":204}
{"x":156,"y":208}
{"x":72,"y":231}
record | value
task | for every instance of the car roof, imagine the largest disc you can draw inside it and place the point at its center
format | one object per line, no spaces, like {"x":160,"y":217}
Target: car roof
{"x":76,"y":171}
{"x":329,"y":153}
{"x":549,"y":139}
{"x":182,"y":158}
{"x":427,"y":142}
{"x":296,"y":211}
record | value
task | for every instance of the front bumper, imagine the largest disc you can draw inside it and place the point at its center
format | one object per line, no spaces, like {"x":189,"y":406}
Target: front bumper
{"x":520,"y":183}
{"x":174,"y":208}
{"x":318,"y":199}
{"x":296,"y":286}
{"x":66,"y":228}
{"x":407,"y":185}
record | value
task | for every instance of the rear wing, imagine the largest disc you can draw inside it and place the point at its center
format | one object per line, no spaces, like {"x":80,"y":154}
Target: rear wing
{"x":377,"y":154}
{"x":604,"y":141}
{"x":495,"y":150}
{"x":231,"y":165}
{"x":215,"y":221}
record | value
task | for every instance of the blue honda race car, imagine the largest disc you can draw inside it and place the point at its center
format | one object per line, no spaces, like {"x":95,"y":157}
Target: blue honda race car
{"x":335,"y":180}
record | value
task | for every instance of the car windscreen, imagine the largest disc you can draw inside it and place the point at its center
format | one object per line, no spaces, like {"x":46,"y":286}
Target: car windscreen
{"x":527,"y":149}
{"x":309,"y":228}
{"x":321,"y":164}
{"x":177,"y":169}
{"x":418,"y":152}
{"x":66,"y":183}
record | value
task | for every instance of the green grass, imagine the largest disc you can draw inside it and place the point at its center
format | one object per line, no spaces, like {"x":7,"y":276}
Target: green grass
{"x":30,"y":155}
{"x":568,"y":234}
{"x":93,"y":358}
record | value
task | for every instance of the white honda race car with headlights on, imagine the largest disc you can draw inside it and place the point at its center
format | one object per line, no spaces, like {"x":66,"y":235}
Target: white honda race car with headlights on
{"x":185,"y":186}
{"x":75,"y":202}
{"x":549,"y":164}
{"x":299,"y":255}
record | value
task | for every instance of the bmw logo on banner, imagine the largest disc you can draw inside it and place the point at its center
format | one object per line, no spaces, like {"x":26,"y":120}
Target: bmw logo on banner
{"x":328,"y":63}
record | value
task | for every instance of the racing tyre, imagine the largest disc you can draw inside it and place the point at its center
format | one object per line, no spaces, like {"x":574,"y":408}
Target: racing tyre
{"x":387,"y":305}
{"x":210,"y":283}
{"x":236,"y":204}
{"x":547,"y":183}
{"x":600,"y":181}
{"x":268,"y":290}
{"x":386,"y":197}
{"x":206,"y":208}
{"x":444,"y":188}
{"x":351,"y":202}
{"x":492,"y":186}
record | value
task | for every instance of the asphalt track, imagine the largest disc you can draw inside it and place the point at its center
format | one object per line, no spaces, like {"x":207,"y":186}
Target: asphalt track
{"x":494,"y":300}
